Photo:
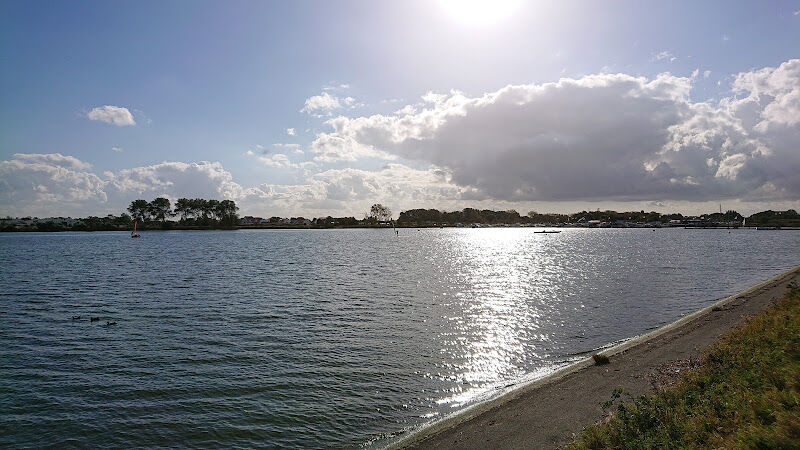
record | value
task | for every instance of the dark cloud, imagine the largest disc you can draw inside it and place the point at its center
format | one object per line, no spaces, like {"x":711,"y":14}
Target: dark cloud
{"x":607,"y":136}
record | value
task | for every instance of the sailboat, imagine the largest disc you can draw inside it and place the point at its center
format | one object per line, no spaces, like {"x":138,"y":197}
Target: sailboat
{"x":134,"y":234}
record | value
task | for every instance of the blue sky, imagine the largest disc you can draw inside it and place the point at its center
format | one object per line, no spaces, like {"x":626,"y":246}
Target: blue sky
{"x":210,"y":81}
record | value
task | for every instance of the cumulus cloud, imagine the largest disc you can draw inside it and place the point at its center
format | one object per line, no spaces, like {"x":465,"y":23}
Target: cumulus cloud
{"x":115,"y":115}
{"x":291,"y":132}
{"x":606,"y":136}
{"x":351,"y":191}
{"x":53,"y":184}
{"x":32,"y":183}
{"x":325,"y":102}
{"x":52,"y":159}
{"x":175,"y":179}
{"x":393,"y":182}
{"x":321,"y":101}
{"x":278,"y":161}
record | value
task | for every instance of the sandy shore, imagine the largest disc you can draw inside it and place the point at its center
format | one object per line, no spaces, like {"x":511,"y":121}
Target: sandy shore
{"x":551,"y":412}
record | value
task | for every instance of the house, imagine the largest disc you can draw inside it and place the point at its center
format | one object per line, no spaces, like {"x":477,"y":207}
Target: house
{"x":250,"y":220}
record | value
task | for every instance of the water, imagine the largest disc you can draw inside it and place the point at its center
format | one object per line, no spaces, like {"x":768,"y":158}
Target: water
{"x":326,"y":338}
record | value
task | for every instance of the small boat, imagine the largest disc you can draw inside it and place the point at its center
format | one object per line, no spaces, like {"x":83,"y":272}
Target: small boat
{"x":134,"y":234}
{"x":547,"y":232}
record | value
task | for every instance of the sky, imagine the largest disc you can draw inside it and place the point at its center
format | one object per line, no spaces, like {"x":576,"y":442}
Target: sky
{"x":316,"y":108}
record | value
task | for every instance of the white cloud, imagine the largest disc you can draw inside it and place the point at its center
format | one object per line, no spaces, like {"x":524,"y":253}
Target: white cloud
{"x":116,"y":115}
{"x":291,"y":132}
{"x":41,"y":184}
{"x":665,"y":55}
{"x":52,"y":159}
{"x":175,"y":179}
{"x":325,"y":103}
{"x":116,"y":149}
{"x":335,"y":87}
{"x":278,"y":161}
{"x":53,"y":184}
{"x":777,"y":90}
{"x":598,"y":137}
{"x":706,"y":73}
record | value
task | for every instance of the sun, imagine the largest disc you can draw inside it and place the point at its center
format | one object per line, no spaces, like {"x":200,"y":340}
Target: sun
{"x":479,"y":12}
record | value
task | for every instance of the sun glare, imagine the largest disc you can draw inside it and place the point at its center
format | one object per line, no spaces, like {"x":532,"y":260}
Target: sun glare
{"x":479,"y":12}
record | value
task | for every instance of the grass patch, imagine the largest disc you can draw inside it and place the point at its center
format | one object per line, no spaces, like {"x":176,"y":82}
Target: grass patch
{"x":746,"y":394}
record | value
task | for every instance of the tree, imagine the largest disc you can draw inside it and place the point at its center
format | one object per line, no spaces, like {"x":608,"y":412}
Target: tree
{"x":183,"y":208}
{"x":197,"y":207}
{"x":226,"y":211}
{"x":139,"y":210}
{"x":212,"y":208}
{"x":379,"y":213}
{"x":159,"y":209}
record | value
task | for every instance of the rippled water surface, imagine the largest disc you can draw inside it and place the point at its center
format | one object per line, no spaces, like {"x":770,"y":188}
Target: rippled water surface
{"x":320,"y":338}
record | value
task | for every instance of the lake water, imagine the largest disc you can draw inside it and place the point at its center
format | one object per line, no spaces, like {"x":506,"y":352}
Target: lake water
{"x":326,"y":338}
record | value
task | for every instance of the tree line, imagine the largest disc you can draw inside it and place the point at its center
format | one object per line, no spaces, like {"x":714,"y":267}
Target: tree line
{"x":195,"y":211}
{"x":202,"y":213}
{"x":431,"y":217}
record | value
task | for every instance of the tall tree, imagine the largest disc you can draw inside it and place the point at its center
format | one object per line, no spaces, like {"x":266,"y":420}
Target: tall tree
{"x":198,"y":206}
{"x":379,"y":213}
{"x":138,"y":210}
{"x":212,"y":208}
{"x":183,"y":208}
{"x":226,"y":211}
{"x":159,"y":209}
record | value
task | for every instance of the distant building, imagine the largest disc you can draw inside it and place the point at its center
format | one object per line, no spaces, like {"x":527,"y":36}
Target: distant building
{"x":250,"y":220}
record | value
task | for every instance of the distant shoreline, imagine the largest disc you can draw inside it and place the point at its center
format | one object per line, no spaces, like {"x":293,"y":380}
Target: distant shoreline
{"x":403,"y":227}
{"x":550,"y":411}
